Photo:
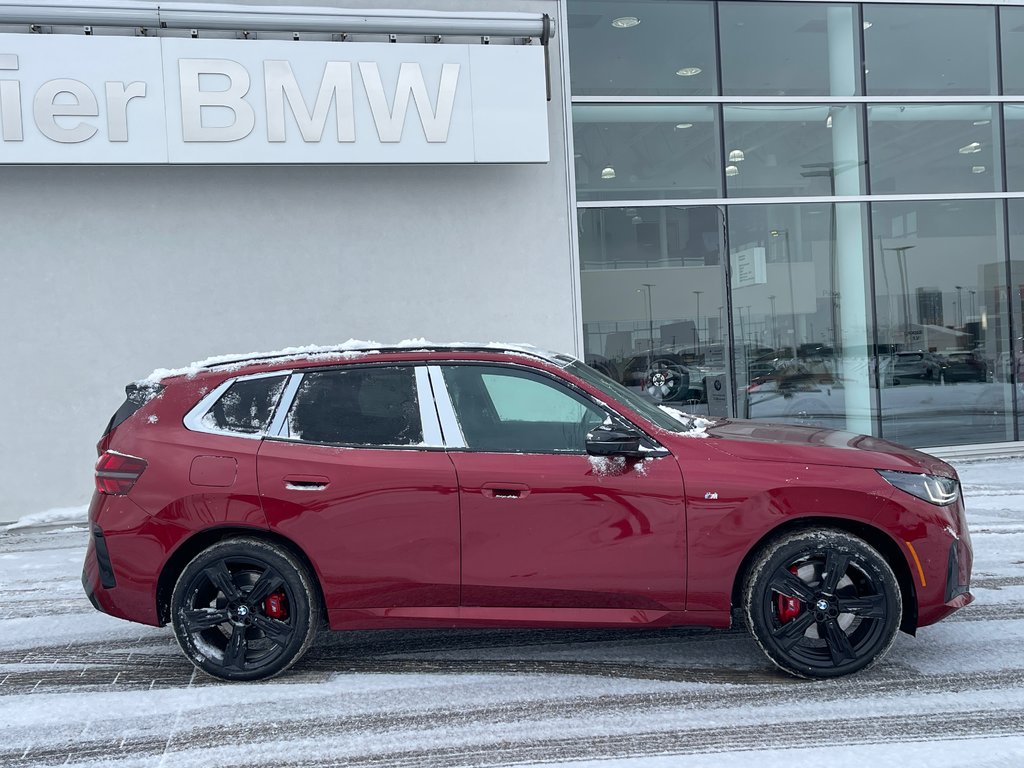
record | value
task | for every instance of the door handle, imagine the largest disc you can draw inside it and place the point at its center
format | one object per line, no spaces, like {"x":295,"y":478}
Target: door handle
{"x":306,"y":482}
{"x":505,"y":490}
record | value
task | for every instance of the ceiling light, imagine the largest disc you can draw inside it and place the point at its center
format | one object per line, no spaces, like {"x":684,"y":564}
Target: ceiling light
{"x":683,"y":126}
{"x":637,"y":219}
{"x":689,"y":71}
{"x":867,"y":25}
{"x":970,"y":149}
{"x":981,"y":122}
{"x":978,"y":169}
{"x":625,"y":22}
{"x":828,"y":121}
{"x":608,"y":172}
{"x":737,"y":156}
{"x":732,"y":170}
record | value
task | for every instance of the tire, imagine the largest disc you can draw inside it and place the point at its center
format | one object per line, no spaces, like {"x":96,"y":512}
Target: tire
{"x":245,"y":609}
{"x":814,"y":624}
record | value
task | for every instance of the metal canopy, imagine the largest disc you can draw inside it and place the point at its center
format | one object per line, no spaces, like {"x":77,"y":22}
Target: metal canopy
{"x":275,"y":18}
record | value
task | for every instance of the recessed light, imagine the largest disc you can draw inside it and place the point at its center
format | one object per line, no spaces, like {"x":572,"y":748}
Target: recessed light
{"x":970,"y":149}
{"x":732,"y":170}
{"x":689,"y":71}
{"x":867,"y":25}
{"x":981,"y":122}
{"x":625,"y":22}
{"x":977,"y":169}
{"x":683,"y":126}
{"x":608,"y":172}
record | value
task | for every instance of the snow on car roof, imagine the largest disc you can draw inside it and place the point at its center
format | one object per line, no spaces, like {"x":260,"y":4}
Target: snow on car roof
{"x":349,"y":349}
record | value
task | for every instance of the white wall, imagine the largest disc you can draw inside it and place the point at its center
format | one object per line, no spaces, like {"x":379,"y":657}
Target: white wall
{"x":110,"y":272}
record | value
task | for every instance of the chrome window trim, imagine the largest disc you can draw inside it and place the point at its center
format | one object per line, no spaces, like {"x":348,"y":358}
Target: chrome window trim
{"x":193,"y":420}
{"x":280,"y":421}
{"x":429,"y":420}
{"x":450,"y":428}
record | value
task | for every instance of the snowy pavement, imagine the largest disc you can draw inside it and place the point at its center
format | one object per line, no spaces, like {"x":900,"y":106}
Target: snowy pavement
{"x":80,"y":688}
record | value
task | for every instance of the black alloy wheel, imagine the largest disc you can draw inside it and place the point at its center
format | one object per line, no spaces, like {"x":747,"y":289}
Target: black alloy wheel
{"x":244,"y":609}
{"x":822,"y":603}
{"x":666,"y":380}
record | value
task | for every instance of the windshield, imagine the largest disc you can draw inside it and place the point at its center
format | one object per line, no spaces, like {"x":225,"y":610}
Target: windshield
{"x":661,"y":416}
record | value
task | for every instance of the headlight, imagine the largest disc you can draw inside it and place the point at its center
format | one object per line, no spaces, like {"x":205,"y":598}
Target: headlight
{"x":941,"y":491}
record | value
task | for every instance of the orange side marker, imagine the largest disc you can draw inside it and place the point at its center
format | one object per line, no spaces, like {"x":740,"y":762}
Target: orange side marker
{"x":917,"y":560}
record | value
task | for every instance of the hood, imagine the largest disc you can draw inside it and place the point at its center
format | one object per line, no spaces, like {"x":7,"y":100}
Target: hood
{"x":761,"y":441}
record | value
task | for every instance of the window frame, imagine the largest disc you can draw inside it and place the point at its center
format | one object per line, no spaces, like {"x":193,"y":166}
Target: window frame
{"x":193,"y":420}
{"x":452,"y":430}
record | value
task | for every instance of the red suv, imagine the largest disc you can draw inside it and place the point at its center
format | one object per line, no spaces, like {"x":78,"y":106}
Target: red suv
{"x":248,"y":501}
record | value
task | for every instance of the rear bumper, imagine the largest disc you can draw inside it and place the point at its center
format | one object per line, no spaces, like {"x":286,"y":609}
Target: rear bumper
{"x":122,"y":560}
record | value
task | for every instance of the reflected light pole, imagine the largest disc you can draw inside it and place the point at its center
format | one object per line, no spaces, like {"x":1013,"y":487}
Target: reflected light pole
{"x":696,"y":328}
{"x":650,"y":321}
{"x":775,"y":328}
{"x":959,"y":306}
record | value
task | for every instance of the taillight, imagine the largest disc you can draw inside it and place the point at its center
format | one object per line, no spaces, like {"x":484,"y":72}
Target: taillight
{"x":116,"y":473}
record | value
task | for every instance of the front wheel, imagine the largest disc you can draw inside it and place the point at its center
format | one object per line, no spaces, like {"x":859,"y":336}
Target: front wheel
{"x":244,"y":609}
{"x":822,"y":603}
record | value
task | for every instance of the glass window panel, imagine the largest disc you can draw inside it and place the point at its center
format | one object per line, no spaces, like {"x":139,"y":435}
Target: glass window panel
{"x":940,"y":287}
{"x":360,"y":406}
{"x":642,"y":48}
{"x":1011,"y":28}
{"x":789,"y":49}
{"x":801,"y":317}
{"x":929,"y":49}
{"x":247,"y":406}
{"x":501,"y":410}
{"x":1013,"y":134}
{"x":653,"y":302}
{"x":1009,"y":365}
{"x":933,"y":148}
{"x":793,"y":151}
{"x":646,"y":151}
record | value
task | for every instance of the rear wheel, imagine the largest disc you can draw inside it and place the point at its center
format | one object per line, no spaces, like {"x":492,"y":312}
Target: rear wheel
{"x":244,"y":609}
{"x":822,"y":603}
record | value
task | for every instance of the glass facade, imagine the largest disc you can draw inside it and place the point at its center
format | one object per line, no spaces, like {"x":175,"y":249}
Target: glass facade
{"x":806,"y":212}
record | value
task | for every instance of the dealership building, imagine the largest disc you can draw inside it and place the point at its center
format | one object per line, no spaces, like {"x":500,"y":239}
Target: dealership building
{"x":788,"y":210}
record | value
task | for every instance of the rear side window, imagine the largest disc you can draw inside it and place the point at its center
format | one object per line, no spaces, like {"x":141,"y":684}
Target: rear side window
{"x":358,"y":406}
{"x":247,"y":406}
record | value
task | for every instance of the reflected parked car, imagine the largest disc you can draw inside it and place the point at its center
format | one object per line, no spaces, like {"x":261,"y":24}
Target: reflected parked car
{"x":964,"y":366}
{"x":246,"y":501}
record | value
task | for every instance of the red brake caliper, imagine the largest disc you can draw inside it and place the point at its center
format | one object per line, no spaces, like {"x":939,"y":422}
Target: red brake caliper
{"x":789,"y":607}
{"x":274,"y":606}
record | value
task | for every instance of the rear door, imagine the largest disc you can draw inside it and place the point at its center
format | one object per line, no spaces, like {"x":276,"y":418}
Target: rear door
{"x":355,"y":474}
{"x":543,"y":524}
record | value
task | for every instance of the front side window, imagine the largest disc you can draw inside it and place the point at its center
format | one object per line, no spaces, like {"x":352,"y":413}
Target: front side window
{"x":247,"y":407}
{"x":360,"y":406}
{"x":505,"y":410}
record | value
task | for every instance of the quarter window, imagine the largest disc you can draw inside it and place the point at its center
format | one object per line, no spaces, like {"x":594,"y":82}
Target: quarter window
{"x":360,"y":406}
{"x":518,"y":411}
{"x":247,"y":406}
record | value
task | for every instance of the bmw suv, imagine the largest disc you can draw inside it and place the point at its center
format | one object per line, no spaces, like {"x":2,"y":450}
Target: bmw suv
{"x":249,"y":501}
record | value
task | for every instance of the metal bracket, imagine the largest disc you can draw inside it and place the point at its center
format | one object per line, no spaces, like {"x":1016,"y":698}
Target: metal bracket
{"x":87,"y":29}
{"x":392,"y":38}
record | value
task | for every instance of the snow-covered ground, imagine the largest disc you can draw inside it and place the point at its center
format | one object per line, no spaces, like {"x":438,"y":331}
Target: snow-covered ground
{"x":80,"y":688}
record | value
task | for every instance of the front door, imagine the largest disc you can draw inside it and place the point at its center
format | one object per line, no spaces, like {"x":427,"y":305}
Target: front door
{"x":543,"y":524}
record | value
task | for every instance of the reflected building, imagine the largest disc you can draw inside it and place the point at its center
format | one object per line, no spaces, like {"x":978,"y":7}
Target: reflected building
{"x":820,"y":197}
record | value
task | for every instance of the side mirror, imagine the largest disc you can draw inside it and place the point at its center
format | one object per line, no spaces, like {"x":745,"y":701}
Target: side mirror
{"x":610,"y":440}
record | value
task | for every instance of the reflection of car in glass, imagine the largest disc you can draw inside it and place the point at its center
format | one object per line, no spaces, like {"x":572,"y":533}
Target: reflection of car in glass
{"x":667,"y":375}
{"x":912,"y":368}
{"x":964,"y":366}
{"x":245,"y":501}
{"x":798,"y":391}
